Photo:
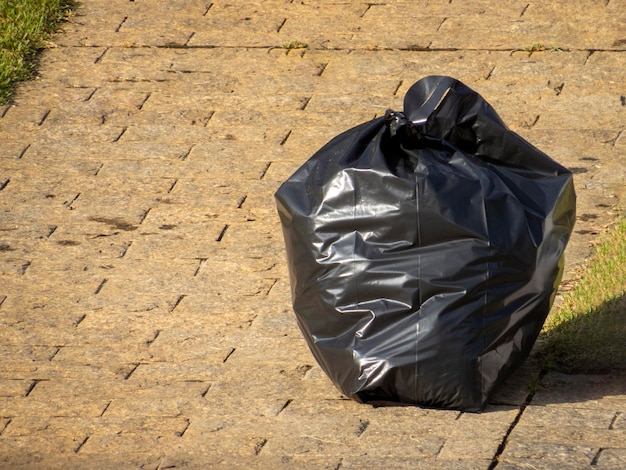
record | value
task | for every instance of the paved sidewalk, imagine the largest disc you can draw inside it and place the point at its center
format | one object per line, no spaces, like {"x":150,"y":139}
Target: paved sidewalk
{"x":145,"y":315}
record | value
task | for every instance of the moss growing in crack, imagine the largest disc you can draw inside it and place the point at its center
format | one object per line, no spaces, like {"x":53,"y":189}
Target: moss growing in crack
{"x":295,"y":45}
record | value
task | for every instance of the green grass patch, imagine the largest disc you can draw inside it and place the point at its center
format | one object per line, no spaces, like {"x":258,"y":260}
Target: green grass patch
{"x":538,"y":47}
{"x":25,"y":26}
{"x":586,"y":333}
{"x":295,"y":45}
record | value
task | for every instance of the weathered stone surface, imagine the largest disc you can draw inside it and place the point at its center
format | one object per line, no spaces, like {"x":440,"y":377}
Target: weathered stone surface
{"x":145,"y":306}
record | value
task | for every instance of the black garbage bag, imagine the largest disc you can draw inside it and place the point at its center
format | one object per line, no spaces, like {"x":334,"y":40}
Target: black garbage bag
{"x":425,"y":249}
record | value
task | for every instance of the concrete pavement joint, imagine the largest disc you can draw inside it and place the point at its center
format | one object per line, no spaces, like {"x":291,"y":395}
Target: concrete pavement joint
{"x":501,"y":448}
{"x":179,"y":299}
{"x":6,"y":424}
{"x":230,"y":353}
{"x":222,"y":233}
{"x":153,"y":339}
{"x":23,"y":152}
{"x":81,"y":444}
{"x":373,"y":49}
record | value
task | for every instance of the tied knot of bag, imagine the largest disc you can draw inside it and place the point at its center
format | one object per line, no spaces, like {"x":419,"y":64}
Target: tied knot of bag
{"x":401,"y":128}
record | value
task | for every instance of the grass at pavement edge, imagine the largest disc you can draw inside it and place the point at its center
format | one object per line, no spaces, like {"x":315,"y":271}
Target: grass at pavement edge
{"x":586,"y":332}
{"x":25,"y":26}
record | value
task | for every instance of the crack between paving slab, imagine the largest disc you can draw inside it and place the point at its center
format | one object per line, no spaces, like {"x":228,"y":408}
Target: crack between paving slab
{"x":305,"y":102}
{"x":144,"y":216}
{"x":184,"y":157}
{"x":44,"y":117}
{"x":282,"y":142}
{"x":117,"y":30}
{"x":2,"y":299}
{"x":189,"y":71}
{"x":502,"y":446}
{"x":362,"y":427}
{"x":367,"y":8}
{"x":132,"y":371}
{"x":395,"y":92}
{"x":265,"y":169}
{"x":532,"y":124}
{"x":201,"y":262}
{"x":189,"y":38}
{"x":98,"y":59}
{"x":321,"y":70}
{"x":285,"y":405}
{"x":137,"y":80}
{"x":182,"y":433}
{"x":31,"y":387}
{"x":140,"y":107}
{"x":106,"y":407}
{"x":203,"y":394}
{"x":208,"y":8}
{"x":24,"y":267}
{"x":615,"y":418}
{"x":206,"y":119}
{"x":125,"y":249}
{"x":171,"y":188}
{"x":496,"y":458}
{"x":51,"y":230}
{"x":80,"y":320}
{"x":54,"y":354}
{"x":117,"y":139}
{"x":156,"y":335}
{"x":177,"y":303}
{"x":100,"y":286}
{"x":596,"y":457}
{"x":274,"y":282}
{"x":222,"y":233}
{"x":23,"y":152}
{"x":80,"y":446}
{"x":90,"y":95}
{"x":4,"y":185}
{"x":230,"y":353}
{"x":281,"y":25}
{"x":68,"y":204}
{"x":271,"y":47}
{"x":524,"y":10}
{"x":6,"y":425}
{"x":559,"y":88}
{"x":259,"y":446}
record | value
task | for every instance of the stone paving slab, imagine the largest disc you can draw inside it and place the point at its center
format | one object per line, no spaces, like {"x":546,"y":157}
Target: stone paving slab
{"x":144,"y":298}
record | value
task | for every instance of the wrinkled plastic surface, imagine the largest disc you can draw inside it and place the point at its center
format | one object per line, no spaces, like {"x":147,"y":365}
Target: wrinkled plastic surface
{"x":425,"y":249}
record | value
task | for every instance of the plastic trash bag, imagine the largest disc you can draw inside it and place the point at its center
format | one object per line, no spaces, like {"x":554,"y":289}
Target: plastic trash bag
{"x":425,"y":249}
